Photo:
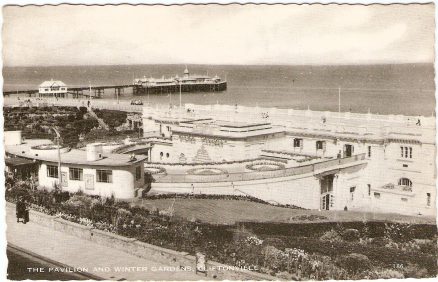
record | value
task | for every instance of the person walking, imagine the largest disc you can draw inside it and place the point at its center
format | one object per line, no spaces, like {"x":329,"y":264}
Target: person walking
{"x":20,"y":208}
{"x":26,"y":212}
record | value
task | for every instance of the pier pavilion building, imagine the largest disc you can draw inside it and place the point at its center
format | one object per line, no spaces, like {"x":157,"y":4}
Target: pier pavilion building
{"x":91,"y":170}
{"x":52,"y":88}
{"x":311,"y":159}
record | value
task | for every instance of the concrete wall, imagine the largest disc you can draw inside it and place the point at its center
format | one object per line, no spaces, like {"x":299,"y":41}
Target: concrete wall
{"x":302,"y":191}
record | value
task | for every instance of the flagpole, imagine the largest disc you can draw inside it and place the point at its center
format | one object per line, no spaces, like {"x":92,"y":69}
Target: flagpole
{"x":339,"y":100}
{"x":339,"y":105}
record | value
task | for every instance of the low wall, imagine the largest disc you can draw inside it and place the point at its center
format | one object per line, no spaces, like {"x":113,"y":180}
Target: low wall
{"x":141,"y":249}
{"x":302,"y":190}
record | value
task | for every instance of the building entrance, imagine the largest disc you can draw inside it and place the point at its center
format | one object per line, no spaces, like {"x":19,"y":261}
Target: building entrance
{"x":348,"y":150}
{"x":327,"y":198}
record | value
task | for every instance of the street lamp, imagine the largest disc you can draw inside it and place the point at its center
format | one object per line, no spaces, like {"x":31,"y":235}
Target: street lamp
{"x":180,"y":95}
{"x":58,"y":141}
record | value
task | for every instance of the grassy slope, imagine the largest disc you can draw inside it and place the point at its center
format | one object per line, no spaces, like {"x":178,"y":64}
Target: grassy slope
{"x":230,"y":211}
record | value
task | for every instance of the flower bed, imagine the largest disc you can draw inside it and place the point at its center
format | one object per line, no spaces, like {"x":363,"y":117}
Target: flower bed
{"x":265,"y":166}
{"x":220,"y":163}
{"x":303,"y":256}
{"x":300,"y":158}
{"x":206,"y":171}
{"x":46,"y":147}
{"x":155,"y":169}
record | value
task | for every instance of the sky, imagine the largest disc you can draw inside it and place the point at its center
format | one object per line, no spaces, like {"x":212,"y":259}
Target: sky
{"x":217,"y":34}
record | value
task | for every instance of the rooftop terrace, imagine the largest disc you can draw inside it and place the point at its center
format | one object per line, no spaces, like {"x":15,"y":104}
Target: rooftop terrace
{"x":73,"y":156}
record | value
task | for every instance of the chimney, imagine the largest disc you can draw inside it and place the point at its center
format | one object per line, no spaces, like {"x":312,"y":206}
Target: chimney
{"x":12,"y":138}
{"x":94,"y":152}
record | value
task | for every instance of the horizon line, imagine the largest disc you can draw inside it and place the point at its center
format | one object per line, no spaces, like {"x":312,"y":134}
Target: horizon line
{"x":212,"y":64}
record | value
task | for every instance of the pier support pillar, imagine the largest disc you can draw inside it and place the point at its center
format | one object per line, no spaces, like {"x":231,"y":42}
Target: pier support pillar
{"x":98,"y":92}
{"x":118,"y":91}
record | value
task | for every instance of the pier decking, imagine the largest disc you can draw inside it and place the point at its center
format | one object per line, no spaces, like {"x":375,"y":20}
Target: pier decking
{"x":77,"y":92}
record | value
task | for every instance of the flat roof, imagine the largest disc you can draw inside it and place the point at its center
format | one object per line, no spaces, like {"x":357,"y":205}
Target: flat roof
{"x":228,"y":134}
{"x":73,"y":157}
{"x":17,"y":161}
{"x":240,"y":124}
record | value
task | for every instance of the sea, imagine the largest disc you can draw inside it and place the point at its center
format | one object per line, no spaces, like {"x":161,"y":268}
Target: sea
{"x":407,"y":89}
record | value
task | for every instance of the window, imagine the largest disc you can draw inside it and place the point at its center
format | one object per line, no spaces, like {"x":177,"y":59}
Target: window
{"x":404,"y":199}
{"x":76,"y":173}
{"x":376,"y":195}
{"x":138,"y":173}
{"x":352,"y":189}
{"x":167,"y":155}
{"x":369,"y":151}
{"x":428,"y":199}
{"x":298,"y":143}
{"x":104,"y":176}
{"x":320,"y":145}
{"x":405,"y":182}
{"x":52,"y":171}
{"x":369,"y":189}
{"x":348,"y":150}
{"x":406,"y":152}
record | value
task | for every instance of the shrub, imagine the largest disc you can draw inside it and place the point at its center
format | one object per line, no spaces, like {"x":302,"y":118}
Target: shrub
{"x":273,"y":258}
{"x":398,"y":232}
{"x":354,"y":262}
{"x":308,"y":217}
{"x":284,"y":275}
{"x":275,"y":242}
{"x":331,"y":236}
{"x":350,"y":235}
{"x":380,"y":241}
{"x":414,"y":271}
{"x":386,"y":274}
{"x":78,"y":205}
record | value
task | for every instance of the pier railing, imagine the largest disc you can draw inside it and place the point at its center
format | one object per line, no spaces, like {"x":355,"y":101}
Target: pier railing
{"x":257,"y":175}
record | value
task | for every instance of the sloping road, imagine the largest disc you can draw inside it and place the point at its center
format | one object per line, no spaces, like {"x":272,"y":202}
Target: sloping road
{"x":82,"y":254}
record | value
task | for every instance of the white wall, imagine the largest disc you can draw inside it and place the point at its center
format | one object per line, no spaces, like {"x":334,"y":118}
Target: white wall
{"x":302,"y":191}
{"x":123,"y":181}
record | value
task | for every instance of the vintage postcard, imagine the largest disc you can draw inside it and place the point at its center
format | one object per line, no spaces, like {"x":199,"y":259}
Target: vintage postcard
{"x":219,"y":142}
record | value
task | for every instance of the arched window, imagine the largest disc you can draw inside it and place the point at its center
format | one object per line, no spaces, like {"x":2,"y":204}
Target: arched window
{"x":405,"y":182}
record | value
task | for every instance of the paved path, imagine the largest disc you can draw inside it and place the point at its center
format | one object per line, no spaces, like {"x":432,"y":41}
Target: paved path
{"x":79,"y":253}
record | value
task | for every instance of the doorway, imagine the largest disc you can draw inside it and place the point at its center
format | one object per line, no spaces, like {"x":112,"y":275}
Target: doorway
{"x":327,"y":198}
{"x":348,"y":150}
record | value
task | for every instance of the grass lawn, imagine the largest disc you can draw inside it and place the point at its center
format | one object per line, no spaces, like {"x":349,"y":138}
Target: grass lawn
{"x":231,"y":211}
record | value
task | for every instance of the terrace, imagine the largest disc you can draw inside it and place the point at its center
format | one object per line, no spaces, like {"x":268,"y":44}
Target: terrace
{"x":266,"y":170}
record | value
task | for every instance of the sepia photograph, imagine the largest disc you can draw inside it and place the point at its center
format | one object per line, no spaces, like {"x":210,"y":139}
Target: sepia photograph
{"x":202,"y":141}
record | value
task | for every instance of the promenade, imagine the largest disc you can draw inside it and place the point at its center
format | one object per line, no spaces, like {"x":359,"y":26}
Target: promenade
{"x":100,"y":261}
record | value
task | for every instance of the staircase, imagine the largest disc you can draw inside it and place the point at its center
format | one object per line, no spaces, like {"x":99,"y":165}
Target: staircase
{"x":99,"y":120}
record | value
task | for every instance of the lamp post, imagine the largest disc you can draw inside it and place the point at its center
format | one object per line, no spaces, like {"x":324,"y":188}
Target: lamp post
{"x":58,"y":143}
{"x":180,"y":95}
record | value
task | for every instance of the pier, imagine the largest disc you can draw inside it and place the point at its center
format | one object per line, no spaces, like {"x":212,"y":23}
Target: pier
{"x":80,"y":91}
